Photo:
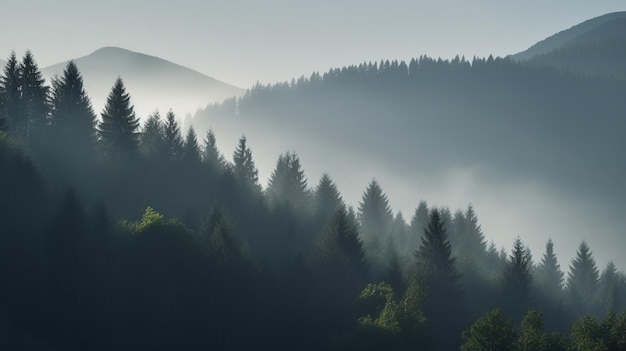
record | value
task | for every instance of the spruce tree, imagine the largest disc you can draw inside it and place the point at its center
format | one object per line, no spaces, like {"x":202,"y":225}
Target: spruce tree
{"x":118,"y":130}
{"x":582,"y":280}
{"x":173,"y":137}
{"x":191,"y":149}
{"x":549,"y":277}
{"x":244,"y":169}
{"x":327,"y":199}
{"x":444,"y":306}
{"x":72,"y":116}
{"x":34,"y":97}
{"x":375,"y":217}
{"x":211,"y":156}
{"x":11,"y":112}
{"x":152,"y":139}
{"x":419,"y":222}
{"x":516,"y":280}
{"x":287,"y":185}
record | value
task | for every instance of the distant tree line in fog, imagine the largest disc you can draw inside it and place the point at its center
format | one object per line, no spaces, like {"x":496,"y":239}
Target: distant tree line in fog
{"x":117,"y":235}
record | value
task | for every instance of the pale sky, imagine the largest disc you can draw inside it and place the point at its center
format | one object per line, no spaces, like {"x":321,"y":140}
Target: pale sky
{"x":241,"y":42}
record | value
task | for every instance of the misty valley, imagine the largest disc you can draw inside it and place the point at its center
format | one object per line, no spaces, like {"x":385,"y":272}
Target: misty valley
{"x":129,"y":231}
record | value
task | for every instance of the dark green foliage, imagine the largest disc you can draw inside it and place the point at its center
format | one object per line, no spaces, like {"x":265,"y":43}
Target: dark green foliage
{"x":444,"y":304}
{"x":388,"y":324}
{"x":34,"y":99}
{"x":531,"y":334}
{"x":152,"y":142}
{"x":490,"y":333}
{"x":118,"y":130}
{"x":211,"y":156}
{"x":582,"y":280}
{"x":549,"y":277}
{"x":375,"y":219}
{"x":191,"y":149}
{"x":340,"y":246}
{"x":173,"y":137}
{"x":11,"y":114}
{"x":72,"y":116}
{"x":611,"y":294}
{"x":287,"y":185}
{"x":516,"y":281}
{"x":326,"y":199}
{"x":244,"y":169}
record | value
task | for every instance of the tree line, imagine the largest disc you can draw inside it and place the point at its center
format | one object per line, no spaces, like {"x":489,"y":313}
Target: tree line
{"x":122,"y":235}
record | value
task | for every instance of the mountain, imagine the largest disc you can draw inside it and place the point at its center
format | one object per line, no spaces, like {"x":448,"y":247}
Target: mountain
{"x":152,"y":82}
{"x":593,"y":47}
{"x":538,"y":151}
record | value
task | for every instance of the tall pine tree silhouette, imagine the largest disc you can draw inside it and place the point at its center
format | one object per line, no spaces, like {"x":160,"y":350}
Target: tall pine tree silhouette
{"x":118,"y":130}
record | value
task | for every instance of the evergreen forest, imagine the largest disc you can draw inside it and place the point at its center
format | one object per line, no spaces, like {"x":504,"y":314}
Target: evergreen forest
{"x":125,"y":232}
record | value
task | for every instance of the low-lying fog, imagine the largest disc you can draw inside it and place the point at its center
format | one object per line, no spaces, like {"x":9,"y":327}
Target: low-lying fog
{"x":507,"y":206}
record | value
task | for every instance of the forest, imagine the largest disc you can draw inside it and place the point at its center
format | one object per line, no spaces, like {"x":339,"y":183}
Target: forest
{"x":121,"y":233}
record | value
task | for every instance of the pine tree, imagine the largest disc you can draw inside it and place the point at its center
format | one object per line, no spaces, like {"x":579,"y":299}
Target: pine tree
{"x":211,"y":156}
{"x":191,"y":149}
{"x":118,"y":130}
{"x":327,"y":199}
{"x":444,"y":307}
{"x":72,"y":116}
{"x":341,"y":248}
{"x":612,"y":289}
{"x":582,"y":280}
{"x":11,"y":112}
{"x":419,"y":222}
{"x":173,"y":137}
{"x":287,"y":185}
{"x":516,"y":280}
{"x":34,"y":96}
{"x":244,"y":169}
{"x":375,"y":217}
{"x":152,"y":139}
{"x":549,"y":277}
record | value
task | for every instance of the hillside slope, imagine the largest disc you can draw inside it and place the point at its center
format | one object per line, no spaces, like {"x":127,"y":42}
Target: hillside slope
{"x":151,"y":81}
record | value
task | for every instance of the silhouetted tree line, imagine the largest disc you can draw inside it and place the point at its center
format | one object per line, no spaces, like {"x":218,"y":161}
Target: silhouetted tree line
{"x":117,"y":236}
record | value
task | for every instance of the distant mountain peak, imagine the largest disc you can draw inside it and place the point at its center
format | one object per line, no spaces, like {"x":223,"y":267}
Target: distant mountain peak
{"x":153,"y":82}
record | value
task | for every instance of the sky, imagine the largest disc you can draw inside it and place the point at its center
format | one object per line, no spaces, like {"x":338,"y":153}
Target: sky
{"x":249,"y":41}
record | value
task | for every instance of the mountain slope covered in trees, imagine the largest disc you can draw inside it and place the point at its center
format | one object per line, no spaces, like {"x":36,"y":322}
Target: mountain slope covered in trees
{"x":594,"y":47}
{"x":121,"y":235}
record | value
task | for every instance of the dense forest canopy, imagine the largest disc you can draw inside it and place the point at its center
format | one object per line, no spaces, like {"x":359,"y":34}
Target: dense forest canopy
{"x":551,"y":139}
{"x":124,"y":235}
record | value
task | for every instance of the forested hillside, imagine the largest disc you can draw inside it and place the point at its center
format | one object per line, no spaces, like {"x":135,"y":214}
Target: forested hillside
{"x":118,"y":234}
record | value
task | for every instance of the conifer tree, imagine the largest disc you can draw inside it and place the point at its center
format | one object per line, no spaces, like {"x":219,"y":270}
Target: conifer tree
{"x":11,"y":112}
{"x":118,"y":130}
{"x":516,"y":280}
{"x":612,"y":289}
{"x":173,"y":137}
{"x":152,"y":139}
{"x":327,"y":199}
{"x":191,"y":149}
{"x":244,"y":169}
{"x":72,"y":116}
{"x":340,"y":246}
{"x":549,"y":277}
{"x":375,"y":217}
{"x":444,"y":307}
{"x":287,"y":185}
{"x":34,"y":96}
{"x":211,"y":156}
{"x":419,"y":222}
{"x":582,"y":280}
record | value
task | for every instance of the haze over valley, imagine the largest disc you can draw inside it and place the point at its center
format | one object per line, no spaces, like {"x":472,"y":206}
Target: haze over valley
{"x":155,"y":197}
